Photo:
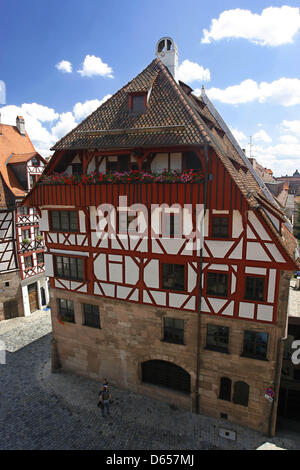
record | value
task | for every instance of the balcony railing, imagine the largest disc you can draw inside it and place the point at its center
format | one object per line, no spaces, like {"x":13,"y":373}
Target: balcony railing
{"x":139,"y":187}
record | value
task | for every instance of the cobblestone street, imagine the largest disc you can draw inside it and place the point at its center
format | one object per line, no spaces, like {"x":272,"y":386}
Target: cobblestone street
{"x":41,"y":410}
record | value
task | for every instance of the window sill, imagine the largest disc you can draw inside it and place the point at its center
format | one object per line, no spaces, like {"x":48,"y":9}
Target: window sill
{"x":94,"y":327}
{"x":207,"y":348}
{"x":247,"y":356}
{"x":171,"y":342}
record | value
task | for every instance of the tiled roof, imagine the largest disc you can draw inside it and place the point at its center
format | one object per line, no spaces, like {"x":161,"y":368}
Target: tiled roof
{"x":21,"y":157}
{"x":166,"y":109}
{"x":173,"y":116}
{"x":11,"y":141}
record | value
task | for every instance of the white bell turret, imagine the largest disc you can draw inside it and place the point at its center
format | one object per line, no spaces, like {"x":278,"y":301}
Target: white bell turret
{"x":167,"y":52}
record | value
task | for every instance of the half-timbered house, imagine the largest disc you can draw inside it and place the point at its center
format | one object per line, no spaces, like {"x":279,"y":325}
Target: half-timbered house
{"x":168,"y":257}
{"x":23,"y":286}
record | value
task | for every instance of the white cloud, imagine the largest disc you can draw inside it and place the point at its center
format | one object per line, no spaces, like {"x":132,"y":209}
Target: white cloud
{"x":285,"y":92}
{"x":65,"y":124}
{"x":291,"y":126}
{"x":281,"y":158}
{"x":288,"y":139}
{"x":40,"y":112}
{"x":39,"y":135}
{"x":2,"y":92}
{"x":246,"y":92}
{"x":64,"y":66}
{"x":43,"y":125}
{"x":262,"y":136}
{"x":82,"y":110}
{"x":273,"y":27}
{"x":191,"y":71}
{"x":93,"y":65}
{"x":239,"y":136}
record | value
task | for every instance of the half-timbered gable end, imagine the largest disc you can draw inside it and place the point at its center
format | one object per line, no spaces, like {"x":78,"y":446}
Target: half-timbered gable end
{"x":153,"y":216}
{"x":22,"y":274}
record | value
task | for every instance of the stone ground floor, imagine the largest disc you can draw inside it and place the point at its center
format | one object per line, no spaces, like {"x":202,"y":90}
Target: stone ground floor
{"x":41,"y":410}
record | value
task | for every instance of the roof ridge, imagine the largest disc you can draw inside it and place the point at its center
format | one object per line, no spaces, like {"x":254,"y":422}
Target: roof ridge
{"x":97,"y":109}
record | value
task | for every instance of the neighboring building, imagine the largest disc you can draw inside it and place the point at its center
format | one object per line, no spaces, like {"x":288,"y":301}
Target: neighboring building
{"x":289,"y":396}
{"x":279,"y":188}
{"x":23,"y":286}
{"x":294,"y":182}
{"x":265,"y":173}
{"x":196,"y":324}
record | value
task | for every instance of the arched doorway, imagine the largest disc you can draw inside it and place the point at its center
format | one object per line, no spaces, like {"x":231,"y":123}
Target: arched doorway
{"x":166,"y":374}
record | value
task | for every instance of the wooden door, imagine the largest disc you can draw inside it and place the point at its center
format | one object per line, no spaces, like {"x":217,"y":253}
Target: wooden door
{"x":10,"y":309}
{"x":33,"y":297}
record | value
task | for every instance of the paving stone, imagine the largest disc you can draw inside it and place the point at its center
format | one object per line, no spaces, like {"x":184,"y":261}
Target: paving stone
{"x":42,"y":410}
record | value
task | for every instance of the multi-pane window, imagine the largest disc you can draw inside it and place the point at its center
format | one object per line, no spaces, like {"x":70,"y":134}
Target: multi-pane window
{"x":128,"y":222}
{"x":173,"y":276}
{"x":33,"y":179}
{"x":40,"y":258}
{"x":91,"y":315}
{"x":118,"y":163}
{"x":241,"y":393}
{"x":37,"y":232}
{"x":66,"y":310}
{"x":174,"y":330}
{"x":28,"y":261}
{"x":255,"y":344}
{"x":220,"y":227}
{"x":26,"y":234}
{"x":217,"y":338}
{"x":23,"y":210}
{"x":225,"y":389}
{"x":35,"y":161}
{"x":217,"y":284}
{"x":69,"y":267}
{"x":64,"y":221}
{"x":77,"y":168}
{"x":255,"y":288}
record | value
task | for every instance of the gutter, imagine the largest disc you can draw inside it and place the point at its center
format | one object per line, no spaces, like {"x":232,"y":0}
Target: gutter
{"x":197,"y":396}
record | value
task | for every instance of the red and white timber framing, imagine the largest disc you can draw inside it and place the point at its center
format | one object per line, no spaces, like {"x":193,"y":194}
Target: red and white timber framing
{"x":8,"y":255}
{"x":129,"y":268}
{"x":29,"y":244}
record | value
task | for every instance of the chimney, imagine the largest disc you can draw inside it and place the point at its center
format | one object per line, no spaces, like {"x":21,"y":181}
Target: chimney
{"x":167,"y":52}
{"x":20,"y":123}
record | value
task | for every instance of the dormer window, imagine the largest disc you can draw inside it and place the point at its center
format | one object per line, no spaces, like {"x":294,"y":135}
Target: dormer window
{"x":35,"y":161}
{"x":137,"y":103}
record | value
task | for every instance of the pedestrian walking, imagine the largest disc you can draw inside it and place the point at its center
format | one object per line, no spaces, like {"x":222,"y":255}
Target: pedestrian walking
{"x":105,"y":383}
{"x":104,"y":399}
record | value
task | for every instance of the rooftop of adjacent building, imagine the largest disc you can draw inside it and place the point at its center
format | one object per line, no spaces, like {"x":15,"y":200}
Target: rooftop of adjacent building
{"x":15,"y":147}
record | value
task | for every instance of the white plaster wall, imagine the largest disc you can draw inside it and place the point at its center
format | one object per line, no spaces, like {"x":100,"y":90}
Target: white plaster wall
{"x":26,"y":301}
{"x":131,"y":271}
{"x":100,"y":267}
{"x":151,"y":274}
{"x":258,"y":226}
{"x":49,"y":271}
{"x":82,"y":222}
{"x":256,"y":252}
{"x":160,"y":162}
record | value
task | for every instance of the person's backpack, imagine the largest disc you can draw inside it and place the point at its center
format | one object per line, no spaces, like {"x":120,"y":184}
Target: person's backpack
{"x":105,"y":395}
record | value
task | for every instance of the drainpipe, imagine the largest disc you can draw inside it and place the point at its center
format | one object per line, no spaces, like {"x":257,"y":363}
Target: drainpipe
{"x":197,"y":396}
{"x":277,"y":377}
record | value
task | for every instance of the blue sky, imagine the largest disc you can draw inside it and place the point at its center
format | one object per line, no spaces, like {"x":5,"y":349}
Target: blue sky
{"x":246,"y":53}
